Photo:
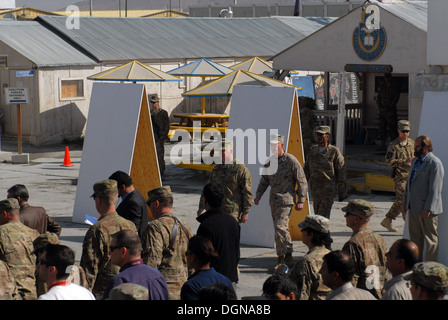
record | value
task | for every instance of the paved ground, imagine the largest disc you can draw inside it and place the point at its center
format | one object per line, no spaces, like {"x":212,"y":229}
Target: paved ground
{"x":54,"y":187}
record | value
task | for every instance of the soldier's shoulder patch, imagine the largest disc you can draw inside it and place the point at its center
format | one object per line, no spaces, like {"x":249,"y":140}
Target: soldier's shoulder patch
{"x":389,"y":154}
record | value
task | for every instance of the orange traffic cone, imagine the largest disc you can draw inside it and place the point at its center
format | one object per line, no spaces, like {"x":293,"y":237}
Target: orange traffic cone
{"x":67,"y":162}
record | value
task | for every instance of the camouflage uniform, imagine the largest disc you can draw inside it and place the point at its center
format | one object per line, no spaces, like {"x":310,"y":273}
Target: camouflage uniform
{"x":282,"y":197}
{"x":235,"y":183}
{"x":157,"y":253}
{"x":8,"y":287}
{"x":164,"y":244}
{"x":95,"y":259}
{"x":387,"y":99}
{"x":306,"y":271}
{"x":326,"y":173}
{"x":431,"y":275}
{"x":307,"y":277}
{"x":16,"y":247}
{"x":398,"y":152}
{"x":160,"y":126}
{"x":368,"y":251}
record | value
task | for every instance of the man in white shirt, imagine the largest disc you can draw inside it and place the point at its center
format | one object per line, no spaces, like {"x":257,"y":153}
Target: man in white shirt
{"x":337,"y":273}
{"x":54,"y":268}
{"x":401,"y":257}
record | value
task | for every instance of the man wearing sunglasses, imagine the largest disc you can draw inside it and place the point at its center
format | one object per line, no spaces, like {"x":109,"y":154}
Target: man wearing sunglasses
{"x":399,"y":155}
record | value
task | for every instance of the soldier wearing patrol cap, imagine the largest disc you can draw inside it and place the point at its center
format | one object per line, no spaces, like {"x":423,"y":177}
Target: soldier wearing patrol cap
{"x":129,"y":291}
{"x":282,"y":197}
{"x":315,"y":232}
{"x":160,"y":126}
{"x":232,"y":178}
{"x":16,"y":245}
{"x":367,"y":249}
{"x":326,"y":173}
{"x":429,"y":281}
{"x":399,"y":155}
{"x":95,"y":260}
{"x":165,"y":241}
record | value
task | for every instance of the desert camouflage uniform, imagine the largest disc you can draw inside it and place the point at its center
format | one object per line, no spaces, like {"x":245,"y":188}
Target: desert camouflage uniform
{"x":156,"y":252}
{"x":16,"y":247}
{"x":95,"y":259}
{"x":160,"y":126}
{"x":282,"y":197}
{"x":8,"y":287}
{"x":397,"y":153}
{"x":307,"y":277}
{"x":326,"y":173}
{"x":368,"y":249}
{"x":235,"y":183}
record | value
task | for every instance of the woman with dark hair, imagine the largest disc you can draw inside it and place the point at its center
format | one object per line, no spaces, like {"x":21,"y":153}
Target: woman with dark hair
{"x":200,"y":254}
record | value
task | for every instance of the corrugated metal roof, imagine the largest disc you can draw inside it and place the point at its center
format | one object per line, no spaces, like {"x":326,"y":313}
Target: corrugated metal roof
{"x":40,"y":45}
{"x":115,"y":39}
{"x":413,"y":12}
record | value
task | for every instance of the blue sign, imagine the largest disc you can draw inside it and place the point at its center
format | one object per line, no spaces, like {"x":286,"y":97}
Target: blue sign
{"x":22,"y":74}
{"x":306,"y":83}
{"x":369,"y":44}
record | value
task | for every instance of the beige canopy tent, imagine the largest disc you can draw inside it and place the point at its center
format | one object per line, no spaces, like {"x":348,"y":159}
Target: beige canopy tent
{"x":223,"y":86}
{"x":255,"y":65}
{"x":134,"y":71}
{"x":201,"y":68}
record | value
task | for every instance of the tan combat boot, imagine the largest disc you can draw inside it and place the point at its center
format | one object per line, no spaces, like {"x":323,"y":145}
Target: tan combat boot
{"x":387,"y":223}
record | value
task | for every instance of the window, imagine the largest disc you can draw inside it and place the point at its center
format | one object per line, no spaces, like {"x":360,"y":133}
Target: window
{"x":71,"y":89}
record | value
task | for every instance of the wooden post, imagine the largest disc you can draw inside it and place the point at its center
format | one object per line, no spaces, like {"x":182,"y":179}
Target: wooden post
{"x":19,"y":130}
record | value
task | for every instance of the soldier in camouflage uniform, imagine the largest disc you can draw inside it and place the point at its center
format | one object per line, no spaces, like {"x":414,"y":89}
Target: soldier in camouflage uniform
{"x":400,"y":153}
{"x":232,"y":179}
{"x":367,"y":249}
{"x":282,"y":198}
{"x":16,"y":247}
{"x":8,"y":287}
{"x":387,"y":99}
{"x":95,"y":259}
{"x":326,"y":173}
{"x":160,"y":127}
{"x":429,"y":281}
{"x":315,"y":231}
{"x":165,"y":241}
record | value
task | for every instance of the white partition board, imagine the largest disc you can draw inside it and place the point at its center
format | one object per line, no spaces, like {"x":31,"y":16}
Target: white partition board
{"x":257,"y":107}
{"x":433,"y":124}
{"x":109,"y":139}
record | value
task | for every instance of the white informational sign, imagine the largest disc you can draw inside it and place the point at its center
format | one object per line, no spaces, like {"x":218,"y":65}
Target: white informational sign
{"x":107,"y":148}
{"x":16,"y":95}
{"x":432,"y":124}
{"x":256,"y":111}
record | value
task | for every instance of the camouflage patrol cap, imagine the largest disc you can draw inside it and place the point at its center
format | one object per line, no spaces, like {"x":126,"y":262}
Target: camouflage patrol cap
{"x":105,"y":187}
{"x":129,"y":291}
{"x":404,"y":125}
{"x":276,"y":138}
{"x":45,"y":239}
{"x":323,"y":129}
{"x":9,"y":204}
{"x":154,"y":194}
{"x":360,"y":207}
{"x":316,"y":222}
{"x":430,"y":274}
{"x":154,"y":98}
